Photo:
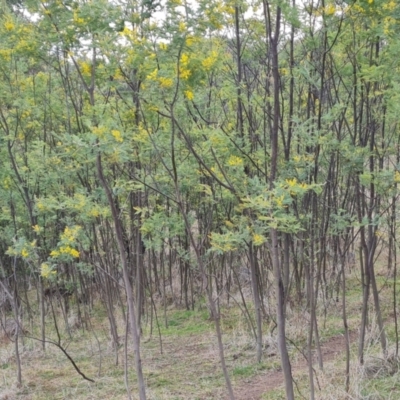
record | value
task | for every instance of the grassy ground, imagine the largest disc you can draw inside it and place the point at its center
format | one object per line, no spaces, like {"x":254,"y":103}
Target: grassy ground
{"x":185,"y":364}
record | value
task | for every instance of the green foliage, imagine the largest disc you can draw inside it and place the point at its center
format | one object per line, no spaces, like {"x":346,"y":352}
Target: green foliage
{"x":180,"y":112}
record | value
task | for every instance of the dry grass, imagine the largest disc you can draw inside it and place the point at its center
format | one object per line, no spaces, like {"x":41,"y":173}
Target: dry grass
{"x":188,"y":367}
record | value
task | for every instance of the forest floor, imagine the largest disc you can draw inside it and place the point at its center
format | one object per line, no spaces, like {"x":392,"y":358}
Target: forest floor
{"x":184,"y":364}
{"x":264,"y":384}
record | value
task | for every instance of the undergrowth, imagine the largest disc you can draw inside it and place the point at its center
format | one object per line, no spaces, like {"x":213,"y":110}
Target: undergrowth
{"x":180,"y":356}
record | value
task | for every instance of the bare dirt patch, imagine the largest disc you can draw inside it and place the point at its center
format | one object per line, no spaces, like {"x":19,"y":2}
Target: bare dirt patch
{"x":253,"y":388}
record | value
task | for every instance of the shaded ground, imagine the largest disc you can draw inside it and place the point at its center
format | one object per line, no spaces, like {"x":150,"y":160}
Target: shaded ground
{"x":188,"y":368}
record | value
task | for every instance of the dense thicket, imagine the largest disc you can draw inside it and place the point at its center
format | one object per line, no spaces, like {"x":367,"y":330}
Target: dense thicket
{"x":173,"y":149}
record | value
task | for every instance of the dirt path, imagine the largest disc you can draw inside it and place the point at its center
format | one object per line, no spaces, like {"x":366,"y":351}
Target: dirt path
{"x":254,"y":388}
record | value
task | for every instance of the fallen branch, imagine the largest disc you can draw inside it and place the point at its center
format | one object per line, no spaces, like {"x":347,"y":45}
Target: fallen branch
{"x":66,"y":354}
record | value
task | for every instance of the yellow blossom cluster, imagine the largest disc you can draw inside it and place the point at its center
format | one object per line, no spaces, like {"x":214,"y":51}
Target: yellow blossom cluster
{"x":130,"y":34}
{"x":142,"y":136}
{"x":117,"y":136}
{"x":46,"y":271}
{"x":356,"y":8}
{"x":99,"y":131}
{"x":25,"y":250}
{"x":182,"y":26}
{"x":86,"y":69}
{"x":9,"y":25}
{"x":190,"y":40}
{"x":117,"y":74}
{"x":279,"y":200}
{"x":223,"y":242}
{"x":391,"y":5}
{"x":40,"y":205}
{"x":294,"y":183}
{"x":235,"y":161}
{"x":330,"y":9}
{"x":388,"y":24}
{"x":216,"y":140}
{"x":80,"y":201}
{"x":70,"y":234}
{"x":184,"y":71}
{"x":184,"y":59}
{"x":162,"y":80}
{"x":189,"y":94}
{"x":12,"y":252}
{"x":210,"y":60}
{"x":6,"y":54}
{"x":68,"y":250}
{"x":7,"y":182}
{"x":305,"y":158}
{"x":229,"y":224}
{"x":78,"y":20}
{"x":36,"y":228}
{"x":24,"y":253}
{"x":258,"y":239}
{"x":165,"y":82}
{"x":126,"y":31}
{"x":230,"y":10}
{"x":94,"y":212}
{"x":153,"y":75}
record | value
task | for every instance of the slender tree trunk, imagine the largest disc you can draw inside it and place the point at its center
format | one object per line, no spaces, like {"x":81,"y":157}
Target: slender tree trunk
{"x":128,"y":286}
{"x":280,"y":316}
{"x":273,"y":38}
{"x":42,"y":314}
{"x":345,"y":325}
{"x":257,"y":303}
